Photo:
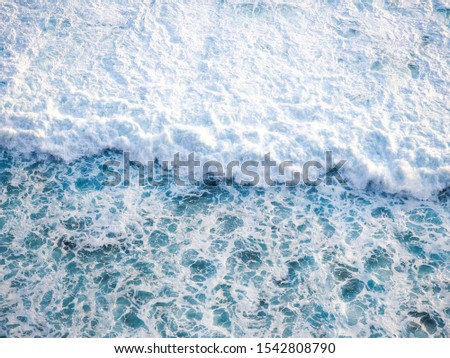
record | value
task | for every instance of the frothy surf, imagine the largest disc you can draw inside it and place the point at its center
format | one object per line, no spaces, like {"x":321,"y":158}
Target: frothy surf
{"x":367,"y":80}
{"x":228,"y":80}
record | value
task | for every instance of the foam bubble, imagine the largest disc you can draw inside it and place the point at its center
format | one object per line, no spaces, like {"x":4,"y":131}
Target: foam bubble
{"x":367,"y":81}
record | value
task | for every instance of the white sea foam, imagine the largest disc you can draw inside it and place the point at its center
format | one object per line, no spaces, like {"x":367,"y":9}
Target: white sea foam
{"x":233,"y":79}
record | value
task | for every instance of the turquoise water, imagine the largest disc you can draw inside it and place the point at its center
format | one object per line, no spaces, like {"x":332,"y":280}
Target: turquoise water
{"x":78,"y":259}
{"x":227,"y":80}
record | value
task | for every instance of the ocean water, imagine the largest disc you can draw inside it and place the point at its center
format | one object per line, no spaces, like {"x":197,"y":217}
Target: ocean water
{"x":83,"y":81}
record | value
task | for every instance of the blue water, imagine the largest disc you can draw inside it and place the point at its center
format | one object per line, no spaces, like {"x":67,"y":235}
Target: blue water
{"x":81,"y":81}
{"x":82,"y":260}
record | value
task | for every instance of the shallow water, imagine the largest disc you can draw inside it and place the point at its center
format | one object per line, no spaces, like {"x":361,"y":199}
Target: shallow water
{"x":82,"y":260}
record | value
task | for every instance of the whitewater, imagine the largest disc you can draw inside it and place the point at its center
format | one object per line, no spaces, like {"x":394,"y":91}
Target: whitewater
{"x":83,"y":81}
